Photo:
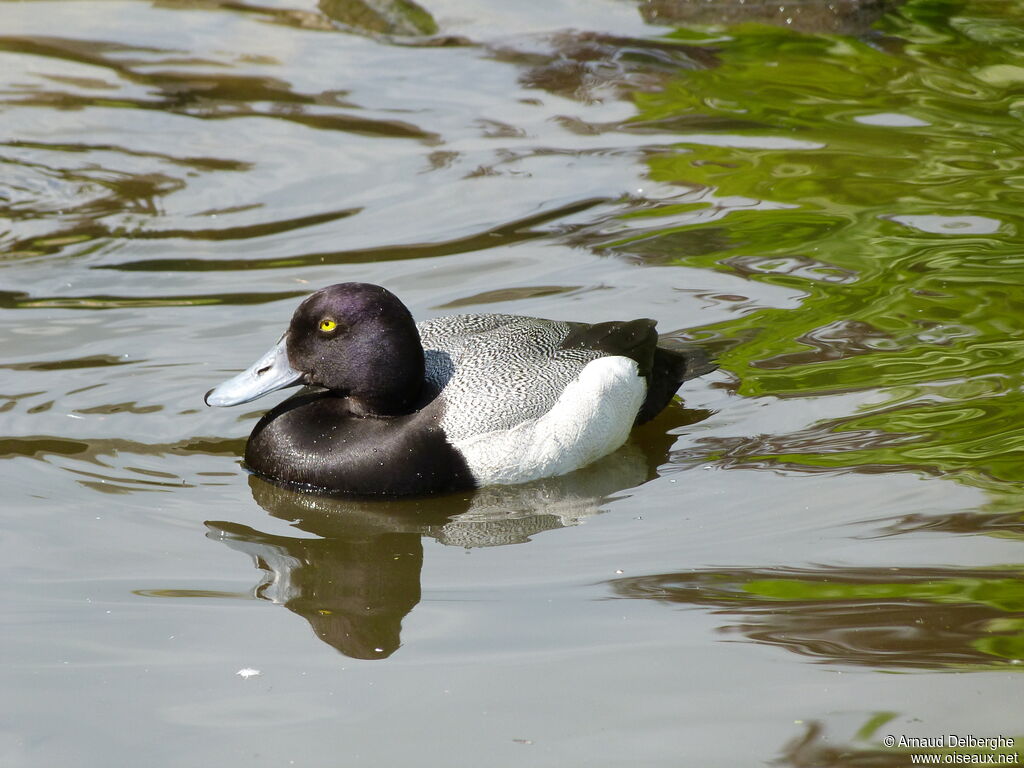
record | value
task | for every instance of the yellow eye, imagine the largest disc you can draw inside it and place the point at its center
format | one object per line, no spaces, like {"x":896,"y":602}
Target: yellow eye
{"x":327,"y":325}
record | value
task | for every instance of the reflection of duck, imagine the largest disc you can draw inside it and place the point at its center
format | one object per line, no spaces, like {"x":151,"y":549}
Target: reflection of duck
{"x":354,"y":590}
{"x":361,"y":577}
{"x":457,"y":403}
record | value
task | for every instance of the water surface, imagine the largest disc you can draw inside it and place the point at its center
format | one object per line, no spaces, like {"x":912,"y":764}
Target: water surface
{"x":818,"y":546}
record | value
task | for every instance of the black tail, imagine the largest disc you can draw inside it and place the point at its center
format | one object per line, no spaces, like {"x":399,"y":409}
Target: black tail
{"x":671,"y":367}
{"x":665,"y":361}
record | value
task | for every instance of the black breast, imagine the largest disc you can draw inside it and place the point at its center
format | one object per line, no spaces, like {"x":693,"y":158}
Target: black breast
{"x":314,"y":440}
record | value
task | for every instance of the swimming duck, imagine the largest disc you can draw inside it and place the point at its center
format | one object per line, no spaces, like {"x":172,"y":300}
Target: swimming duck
{"x":450,"y":404}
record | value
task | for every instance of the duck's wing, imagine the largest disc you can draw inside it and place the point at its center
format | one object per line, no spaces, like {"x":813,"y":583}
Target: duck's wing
{"x":498,"y":371}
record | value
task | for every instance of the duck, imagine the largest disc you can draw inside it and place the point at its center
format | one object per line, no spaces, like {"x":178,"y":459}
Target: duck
{"x":395,"y":408}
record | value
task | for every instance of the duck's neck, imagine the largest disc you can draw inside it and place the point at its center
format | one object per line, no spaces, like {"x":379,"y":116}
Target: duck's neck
{"x":391,"y":380}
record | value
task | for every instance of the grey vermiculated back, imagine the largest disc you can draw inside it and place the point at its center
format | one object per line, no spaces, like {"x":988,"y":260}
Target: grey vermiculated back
{"x":498,"y":371}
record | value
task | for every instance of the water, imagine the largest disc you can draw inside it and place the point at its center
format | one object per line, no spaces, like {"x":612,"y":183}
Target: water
{"x":828,"y":198}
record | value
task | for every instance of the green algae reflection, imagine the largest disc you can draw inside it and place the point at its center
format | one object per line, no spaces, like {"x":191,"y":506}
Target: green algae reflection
{"x":897,"y":619}
{"x":883,"y":184}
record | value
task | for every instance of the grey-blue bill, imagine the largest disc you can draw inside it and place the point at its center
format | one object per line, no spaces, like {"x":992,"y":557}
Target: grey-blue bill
{"x":268,"y":374}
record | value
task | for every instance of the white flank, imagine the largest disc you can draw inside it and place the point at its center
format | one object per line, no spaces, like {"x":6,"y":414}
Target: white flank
{"x":591,"y":418}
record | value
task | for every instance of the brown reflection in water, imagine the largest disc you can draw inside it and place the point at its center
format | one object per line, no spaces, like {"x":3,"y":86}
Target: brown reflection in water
{"x":814,"y":749}
{"x":91,"y":361}
{"x":835,"y":341}
{"x":672,"y":246}
{"x":287,"y":17}
{"x":192,"y":163}
{"x":42,"y":446}
{"x":265,"y":229}
{"x":842,"y":17}
{"x":831,"y":437}
{"x":794,"y":265}
{"x":102,"y":456}
{"x":205,"y":95}
{"x":518,"y":231}
{"x":998,"y":523}
{"x":358,"y":580}
{"x":509,"y":294}
{"x":892,"y":618}
{"x":21,"y":300}
{"x":649,"y":241}
{"x":590,"y":66}
{"x":382,"y":17}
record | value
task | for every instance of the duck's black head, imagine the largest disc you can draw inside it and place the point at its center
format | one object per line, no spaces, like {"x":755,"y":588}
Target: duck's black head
{"x":358,"y":340}
{"x":355,"y":339}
